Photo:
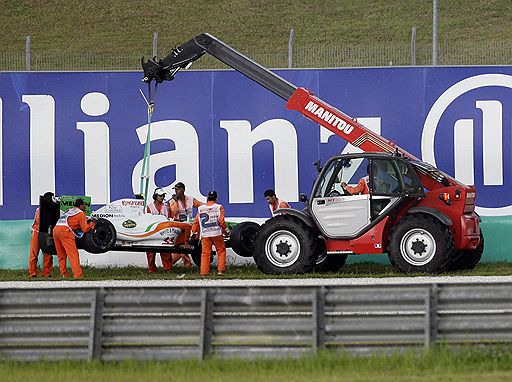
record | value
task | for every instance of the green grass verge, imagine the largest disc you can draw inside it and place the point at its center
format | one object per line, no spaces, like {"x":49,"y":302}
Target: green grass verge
{"x":114,"y":35}
{"x":252,"y":272}
{"x":123,"y":27}
{"x":440,"y":364}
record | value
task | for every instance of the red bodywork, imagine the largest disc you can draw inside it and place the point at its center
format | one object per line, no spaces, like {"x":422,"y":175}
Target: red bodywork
{"x":456,"y":200}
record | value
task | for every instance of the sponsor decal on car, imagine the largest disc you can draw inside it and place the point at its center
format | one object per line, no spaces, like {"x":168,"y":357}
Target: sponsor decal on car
{"x":133,"y":202}
{"x":95,"y":215}
{"x":170,"y":231}
{"x":175,"y":231}
{"x":129,"y":224}
{"x":110,"y":208}
{"x":169,"y":241}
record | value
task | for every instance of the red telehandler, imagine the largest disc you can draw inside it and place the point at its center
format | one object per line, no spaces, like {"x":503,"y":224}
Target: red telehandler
{"x":423,"y":218}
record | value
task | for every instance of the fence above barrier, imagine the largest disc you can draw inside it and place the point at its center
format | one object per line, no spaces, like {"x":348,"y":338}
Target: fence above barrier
{"x":197,"y":322}
{"x":302,"y":55}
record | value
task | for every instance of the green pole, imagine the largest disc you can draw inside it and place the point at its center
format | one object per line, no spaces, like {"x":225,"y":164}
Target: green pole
{"x":144,"y":175}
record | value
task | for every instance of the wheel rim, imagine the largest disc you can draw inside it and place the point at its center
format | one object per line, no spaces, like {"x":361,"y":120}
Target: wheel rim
{"x":282,"y":248}
{"x":248,"y":237}
{"x":102,"y":237}
{"x":418,"y":247}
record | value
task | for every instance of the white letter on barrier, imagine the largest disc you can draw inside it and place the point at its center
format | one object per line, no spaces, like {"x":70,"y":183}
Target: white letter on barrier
{"x":1,"y":158}
{"x":241,"y":140}
{"x":492,"y":136}
{"x":185,"y":156}
{"x":96,"y":148}
{"x":42,"y":145}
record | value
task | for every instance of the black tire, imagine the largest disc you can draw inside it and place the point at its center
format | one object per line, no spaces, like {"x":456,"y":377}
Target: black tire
{"x":196,"y":254}
{"x":285,"y":245}
{"x":325,"y":263}
{"x":46,"y":244}
{"x":330,"y":263}
{"x":242,"y":238}
{"x":101,"y":239}
{"x":464,"y":260}
{"x":420,"y":244}
{"x":196,"y":258}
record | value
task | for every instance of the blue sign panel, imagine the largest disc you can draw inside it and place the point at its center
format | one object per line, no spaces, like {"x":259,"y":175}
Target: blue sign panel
{"x":84,"y":133}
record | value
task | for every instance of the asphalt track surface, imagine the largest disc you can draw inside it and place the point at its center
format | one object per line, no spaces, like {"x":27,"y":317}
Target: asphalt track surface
{"x":305,"y":282}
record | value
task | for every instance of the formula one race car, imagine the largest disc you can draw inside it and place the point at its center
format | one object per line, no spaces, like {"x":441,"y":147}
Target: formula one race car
{"x":123,"y":225}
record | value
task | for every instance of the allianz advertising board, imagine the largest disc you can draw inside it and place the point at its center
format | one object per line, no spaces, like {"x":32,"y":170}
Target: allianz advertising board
{"x":83,"y":133}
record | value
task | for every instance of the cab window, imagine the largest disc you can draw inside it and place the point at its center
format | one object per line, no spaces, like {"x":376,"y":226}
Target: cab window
{"x":338,"y":171}
{"x":386,"y":177}
{"x":411,"y":183}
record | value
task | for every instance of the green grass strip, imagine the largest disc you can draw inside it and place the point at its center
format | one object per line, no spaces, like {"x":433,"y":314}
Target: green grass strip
{"x":252,"y":272}
{"x":441,"y":364}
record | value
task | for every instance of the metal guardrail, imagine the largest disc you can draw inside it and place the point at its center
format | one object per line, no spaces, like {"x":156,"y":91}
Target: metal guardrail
{"x":163,"y":323}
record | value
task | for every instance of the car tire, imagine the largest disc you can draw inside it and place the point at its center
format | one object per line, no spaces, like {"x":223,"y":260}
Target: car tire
{"x":100,"y":239}
{"x":242,"y":238}
{"x":420,"y":244}
{"x":46,"y":243}
{"x":196,"y":254}
{"x":285,"y":245}
{"x":328,"y":263}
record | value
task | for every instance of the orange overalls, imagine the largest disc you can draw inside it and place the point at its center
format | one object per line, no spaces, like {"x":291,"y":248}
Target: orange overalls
{"x":210,"y":221}
{"x":34,"y":252}
{"x":279,"y":204}
{"x":180,"y":211}
{"x":360,"y":188}
{"x":65,"y":243}
{"x":166,"y":257}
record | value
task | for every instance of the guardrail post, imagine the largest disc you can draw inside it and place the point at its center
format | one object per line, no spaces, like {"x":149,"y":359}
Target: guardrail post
{"x":205,"y":344}
{"x":431,"y":328}
{"x":318,"y":319}
{"x":96,"y":328}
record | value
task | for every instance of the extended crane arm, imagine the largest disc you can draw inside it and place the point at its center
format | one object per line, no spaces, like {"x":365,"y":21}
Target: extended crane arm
{"x":184,"y":55}
{"x":300,"y":99}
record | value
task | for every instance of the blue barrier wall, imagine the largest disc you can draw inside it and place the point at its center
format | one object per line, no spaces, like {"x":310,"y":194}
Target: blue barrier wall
{"x":84,"y":133}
